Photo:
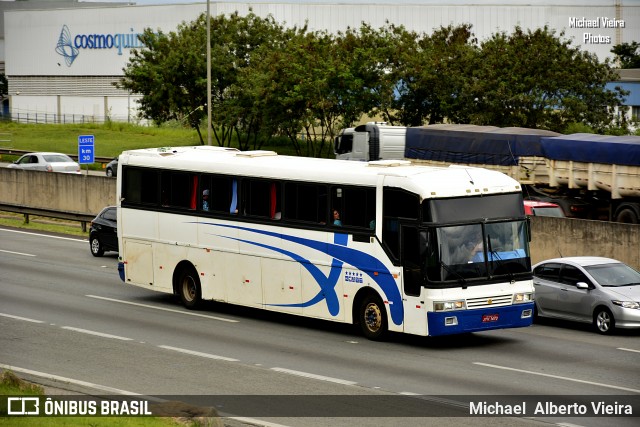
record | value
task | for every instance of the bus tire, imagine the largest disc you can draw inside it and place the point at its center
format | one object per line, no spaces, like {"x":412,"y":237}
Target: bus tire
{"x":188,"y":287}
{"x":372,"y":317}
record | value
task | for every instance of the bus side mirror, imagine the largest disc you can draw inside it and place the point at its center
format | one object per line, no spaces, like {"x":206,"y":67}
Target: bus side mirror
{"x":529,"y":229}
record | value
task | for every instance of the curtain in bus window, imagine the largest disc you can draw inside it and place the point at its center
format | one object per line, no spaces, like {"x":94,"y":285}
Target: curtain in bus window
{"x":234,"y":197}
{"x":194,"y":193}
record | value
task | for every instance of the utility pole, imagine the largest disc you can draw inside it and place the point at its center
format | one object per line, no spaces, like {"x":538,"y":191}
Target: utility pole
{"x":208,"y":72}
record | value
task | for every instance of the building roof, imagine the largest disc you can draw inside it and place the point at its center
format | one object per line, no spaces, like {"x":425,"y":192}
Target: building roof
{"x":629,"y":75}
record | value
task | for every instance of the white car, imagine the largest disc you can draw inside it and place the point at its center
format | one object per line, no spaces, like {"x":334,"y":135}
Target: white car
{"x":595,"y":290}
{"x":48,"y":162}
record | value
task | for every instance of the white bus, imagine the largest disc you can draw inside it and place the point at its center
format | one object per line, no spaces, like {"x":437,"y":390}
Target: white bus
{"x":386,"y":245}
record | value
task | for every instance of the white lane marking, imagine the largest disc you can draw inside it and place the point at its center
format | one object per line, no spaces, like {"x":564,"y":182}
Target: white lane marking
{"x":26,"y":319}
{"x":99,"y":334}
{"x":44,"y":235}
{"x":197,"y":353}
{"x":628,"y":349}
{"x":256,"y":422}
{"x":69,"y":380}
{"x":409,"y":393}
{"x":222,"y":319}
{"x":16,"y":253}
{"x":633,"y":390}
{"x":314,"y":376}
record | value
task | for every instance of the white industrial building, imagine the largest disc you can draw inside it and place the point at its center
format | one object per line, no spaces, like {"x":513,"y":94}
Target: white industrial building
{"x":61,"y":61}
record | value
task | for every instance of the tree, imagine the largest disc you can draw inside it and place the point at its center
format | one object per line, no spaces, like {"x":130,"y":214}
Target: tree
{"x":536,"y":79}
{"x":363,"y":56}
{"x":169,"y":72}
{"x":435,"y":77}
{"x":394,"y":49}
{"x":313,"y":85}
{"x":233,"y":41}
{"x":4,"y":86}
{"x":262,"y":89}
{"x":627,"y":54}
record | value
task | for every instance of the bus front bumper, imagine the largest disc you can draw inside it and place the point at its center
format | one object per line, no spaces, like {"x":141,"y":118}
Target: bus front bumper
{"x":461,"y":321}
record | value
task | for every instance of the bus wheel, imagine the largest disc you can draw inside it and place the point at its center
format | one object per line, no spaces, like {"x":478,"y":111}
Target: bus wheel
{"x":373,"y":318}
{"x":189,"y":288}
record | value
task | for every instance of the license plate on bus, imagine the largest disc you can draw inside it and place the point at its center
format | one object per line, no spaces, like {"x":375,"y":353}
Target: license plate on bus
{"x":489,"y":318}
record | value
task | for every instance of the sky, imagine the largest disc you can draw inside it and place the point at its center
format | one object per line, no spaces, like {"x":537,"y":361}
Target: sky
{"x":447,"y":2}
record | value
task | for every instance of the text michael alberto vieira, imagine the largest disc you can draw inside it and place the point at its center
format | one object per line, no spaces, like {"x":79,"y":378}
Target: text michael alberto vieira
{"x":549,"y":408}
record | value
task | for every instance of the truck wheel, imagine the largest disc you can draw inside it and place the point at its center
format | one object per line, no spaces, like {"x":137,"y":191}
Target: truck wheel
{"x":603,"y":321}
{"x":627,"y":216}
{"x":373,"y":318}
{"x":188,"y":287}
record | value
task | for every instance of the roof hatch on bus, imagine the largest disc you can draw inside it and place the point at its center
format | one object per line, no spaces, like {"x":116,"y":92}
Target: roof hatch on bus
{"x":256,"y":153}
{"x":389,"y":163}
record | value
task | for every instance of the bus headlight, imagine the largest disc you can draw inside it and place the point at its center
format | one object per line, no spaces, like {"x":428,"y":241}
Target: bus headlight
{"x":448,"y":305}
{"x":523,"y":297}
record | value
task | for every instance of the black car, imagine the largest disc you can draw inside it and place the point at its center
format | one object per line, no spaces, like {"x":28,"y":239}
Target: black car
{"x":112,"y":168}
{"x":103,"y":235}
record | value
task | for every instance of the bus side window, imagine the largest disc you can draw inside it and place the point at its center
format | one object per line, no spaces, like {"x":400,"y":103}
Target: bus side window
{"x":396,"y":204}
{"x":355,"y":205}
{"x":305,"y":202}
{"x":178,"y":189}
{"x":134,"y":180}
{"x":220,"y":192}
{"x":262,"y":198}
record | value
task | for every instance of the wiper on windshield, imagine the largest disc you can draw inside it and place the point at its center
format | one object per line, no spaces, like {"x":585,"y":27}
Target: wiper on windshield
{"x":494,"y":255}
{"x":461,"y":279}
{"x":449,"y":270}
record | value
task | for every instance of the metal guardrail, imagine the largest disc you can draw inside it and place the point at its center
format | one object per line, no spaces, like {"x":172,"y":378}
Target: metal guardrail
{"x":26,"y":211}
{"x":13,"y":152}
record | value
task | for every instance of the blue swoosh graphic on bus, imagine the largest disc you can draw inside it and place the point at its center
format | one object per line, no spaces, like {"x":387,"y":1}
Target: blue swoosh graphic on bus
{"x":341,"y":253}
{"x":327,"y":284}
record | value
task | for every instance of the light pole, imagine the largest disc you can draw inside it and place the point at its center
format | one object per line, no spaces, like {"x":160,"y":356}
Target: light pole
{"x":208,"y":72}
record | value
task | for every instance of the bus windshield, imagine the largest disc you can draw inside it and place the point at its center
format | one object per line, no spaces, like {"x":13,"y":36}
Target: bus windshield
{"x":474,"y":253}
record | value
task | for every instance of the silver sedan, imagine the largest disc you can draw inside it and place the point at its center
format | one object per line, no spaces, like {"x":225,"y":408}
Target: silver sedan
{"x":48,"y":162}
{"x":595,"y":290}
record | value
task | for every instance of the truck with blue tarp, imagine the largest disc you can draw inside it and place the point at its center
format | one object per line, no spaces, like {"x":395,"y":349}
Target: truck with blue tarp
{"x":590,"y":176}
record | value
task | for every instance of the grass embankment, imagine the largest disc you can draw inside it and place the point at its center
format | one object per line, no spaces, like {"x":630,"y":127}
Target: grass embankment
{"x":110,"y":138}
{"x":38,"y":223}
{"x":11,"y":385}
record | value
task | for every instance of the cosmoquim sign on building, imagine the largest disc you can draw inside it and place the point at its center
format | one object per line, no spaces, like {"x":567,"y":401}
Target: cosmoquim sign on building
{"x":84,"y":41}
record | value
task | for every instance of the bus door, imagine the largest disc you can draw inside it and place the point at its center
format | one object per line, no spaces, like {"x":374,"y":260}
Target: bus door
{"x":413,"y":247}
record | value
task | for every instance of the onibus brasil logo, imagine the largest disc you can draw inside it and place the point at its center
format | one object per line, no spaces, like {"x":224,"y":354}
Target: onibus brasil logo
{"x":69,"y":46}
